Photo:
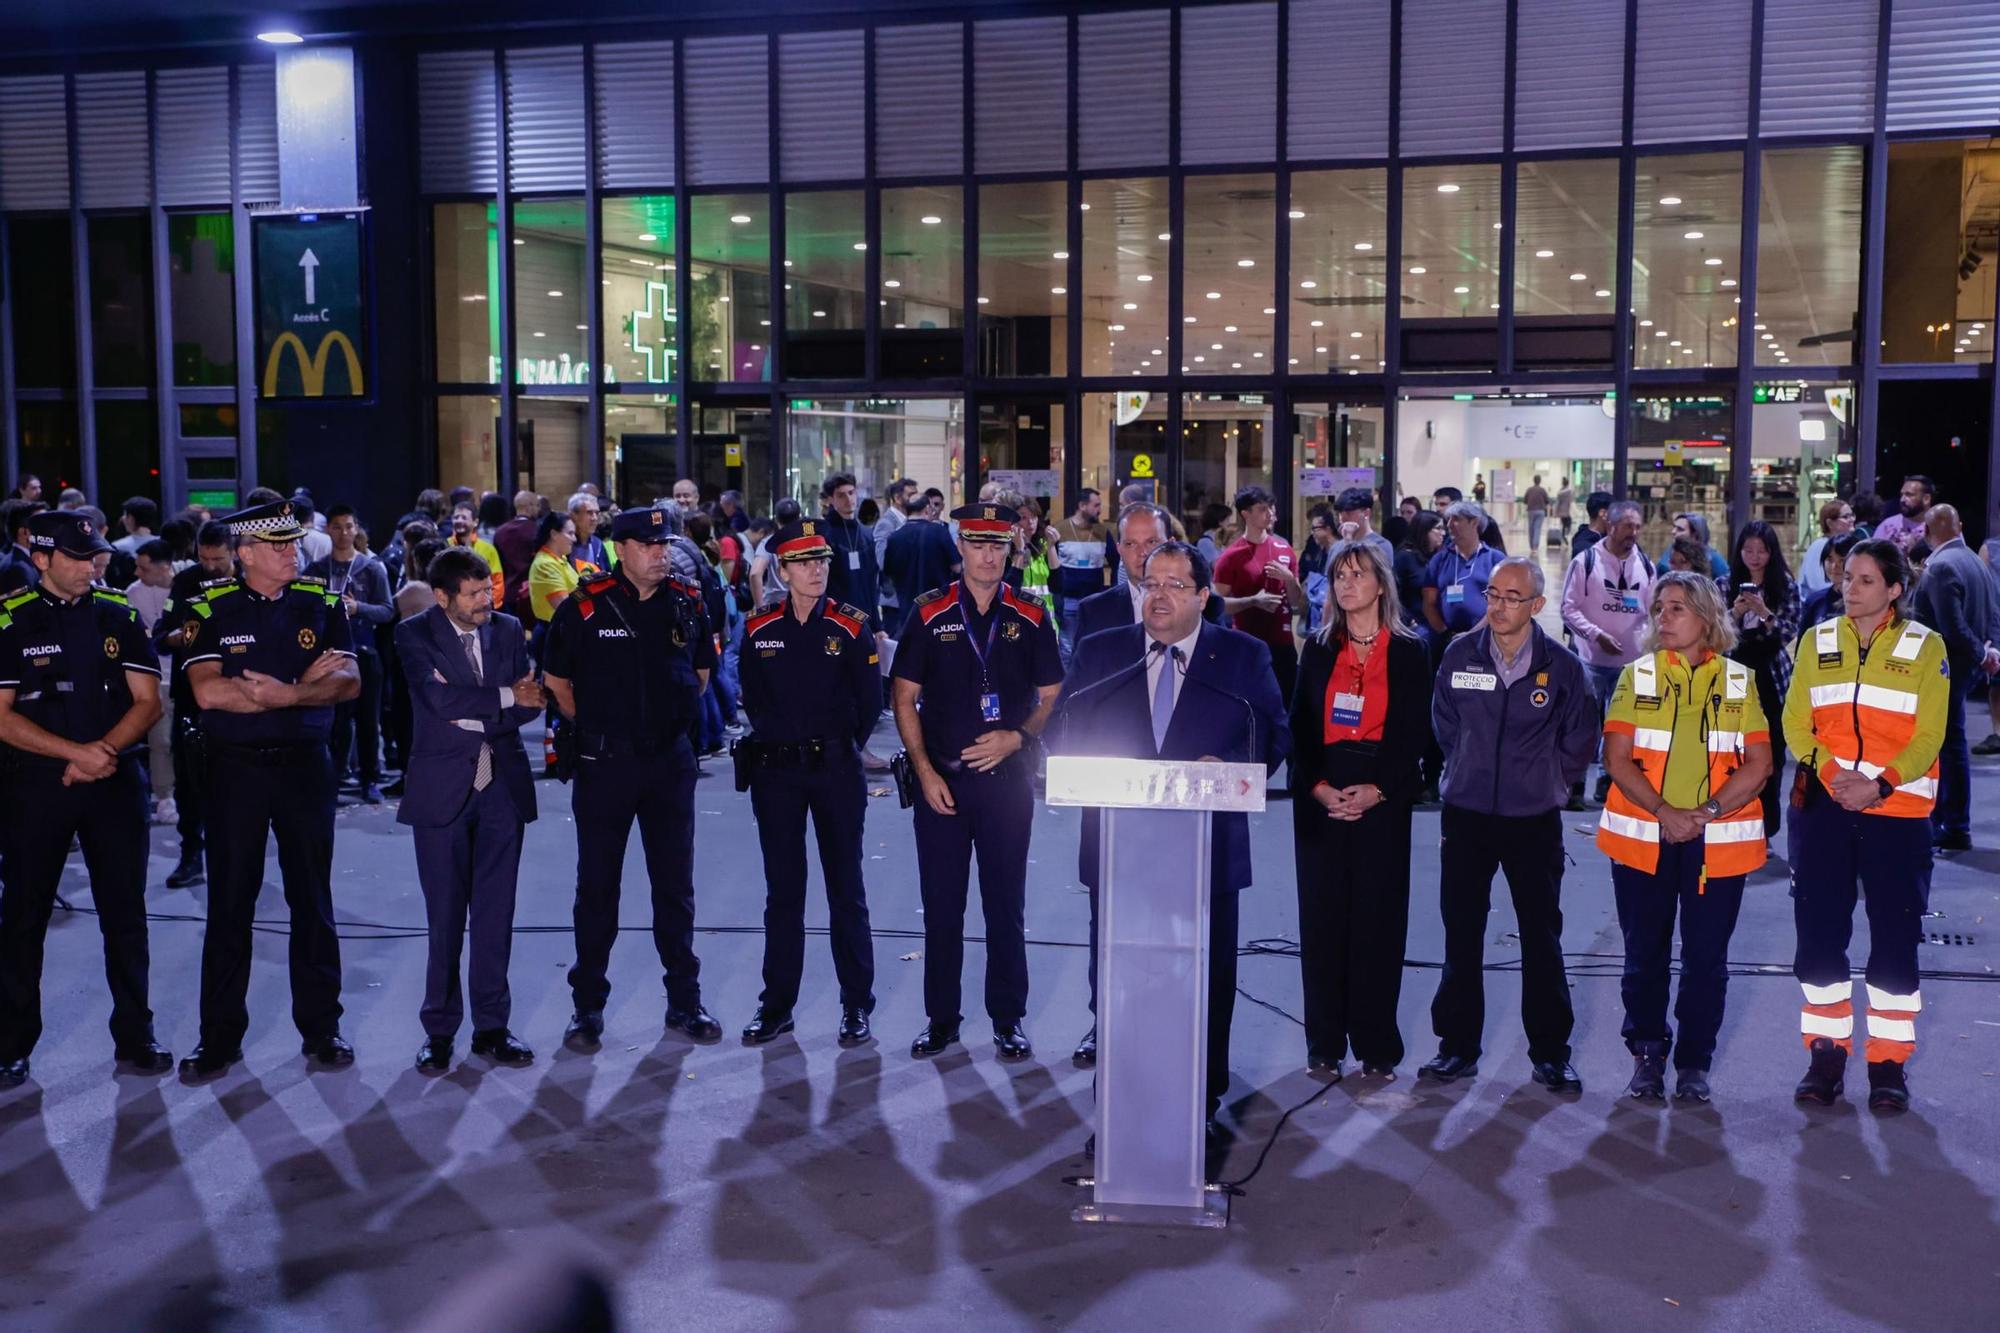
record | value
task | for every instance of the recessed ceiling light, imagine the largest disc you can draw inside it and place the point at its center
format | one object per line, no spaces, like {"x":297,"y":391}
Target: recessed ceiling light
{"x":1229,"y":328}
{"x":1215,"y":347}
{"x":1058,"y":291}
{"x":1319,"y":349}
{"x":1145,"y":363}
{"x":1357,"y":334}
{"x":930,"y":219}
{"x":740,"y":219}
{"x":555,"y":291}
{"x":1728,"y":282}
{"x":1214,"y":296}
{"x":280,"y":38}
{"x":1270,"y":310}
{"x":1297,"y":213}
{"x":1496,"y":226}
{"x":1061,"y":254}
{"x":1602,"y":291}
{"x":1673,"y":342}
{"x":1319,"y":323}
{"x":1354,"y":356}
{"x":1659,"y":333}
{"x":1246,"y":263}
{"x":1083,"y":208}
{"x":1307,"y":283}
{"x":1199,"y":357}
{"x":583,"y":326}
{"x":1236,"y":365}
{"x":1545,"y":254}
{"x":1669,"y":200}
{"x":1447,"y":188}
{"x":1166,"y":236}
{"x":1118,"y":328}
{"x":984,"y":299}
{"x":540,"y":334}
{"x":1460,"y":291}
{"x":1418,"y":270}
{"x":1144,"y":277}
{"x":1645,"y":323}
{"x":1494,"y":306}
{"x":1158,"y":352}
{"x":1713,"y":261}
{"x":1131,"y":305}
{"x":1187,"y":319}
{"x":819,"y":314}
{"x":1579,"y":277}
{"x":1691,"y":235}
{"x":647,"y":237}
{"x":1364,"y":245}
{"x":892,"y":282}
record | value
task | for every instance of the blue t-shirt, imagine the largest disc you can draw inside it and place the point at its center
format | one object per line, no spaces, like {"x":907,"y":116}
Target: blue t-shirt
{"x":1461,"y":584}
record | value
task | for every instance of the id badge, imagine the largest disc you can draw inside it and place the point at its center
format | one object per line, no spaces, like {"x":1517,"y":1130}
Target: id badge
{"x":854,"y":559}
{"x":1347,"y":710}
{"x":989,"y":707}
{"x":1455,"y":594}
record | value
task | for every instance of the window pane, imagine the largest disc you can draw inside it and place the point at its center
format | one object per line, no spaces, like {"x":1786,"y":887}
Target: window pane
{"x":824,"y":264}
{"x":1225,"y":446}
{"x":1023,"y":279}
{"x":1566,"y":238}
{"x":1451,"y":242}
{"x":1938,"y":263}
{"x":1024,"y":437}
{"x":1679,"y":463}
{"x":1330,"y":435}
{"x":201,"y":269}
{"x":467,"y":291}
{"x":639,"y":446}
{"x":1227,"y":275}
{"x":550,"y":339}
{"x":1809,"y":256}
{"x":1125,"y":275}
{"x":1124,"y":440}
{"x":550,"y":454}
{"x":878,"y":440}
{"x":121,"y":302}
{"x":128,"y":454}
{"x":467,"y":442}
{"x":1339,"y":224}
{"x":638,"y":281}
{"x":38,"y":257}
{"x":1687,"y":234}
{"x":923,"y":282}
{"x":1799,"y":434}
{"x":730,"y":287}
{"x":732,"y":452}
{"x":49,"y":447}
{"x":208,"y":420}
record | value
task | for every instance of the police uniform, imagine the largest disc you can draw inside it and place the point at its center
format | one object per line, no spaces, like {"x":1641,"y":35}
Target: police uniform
{"x":977,"y":673}
{"x":68,"y":667}
{"x":270,"y":775}
{"x":178,"y":616}
{"x":813,"y":693}
{"x":631,"y":665}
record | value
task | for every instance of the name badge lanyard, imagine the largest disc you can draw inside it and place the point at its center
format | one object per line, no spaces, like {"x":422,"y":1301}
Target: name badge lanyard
{"x":1348,"y":704}
{"x":989,"y":699}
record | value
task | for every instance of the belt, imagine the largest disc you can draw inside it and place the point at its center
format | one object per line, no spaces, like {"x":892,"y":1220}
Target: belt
{"x":955,"y":767}
{"x":811,"y":753}
{"x":606,"y":747}
{"x":287,"y":752}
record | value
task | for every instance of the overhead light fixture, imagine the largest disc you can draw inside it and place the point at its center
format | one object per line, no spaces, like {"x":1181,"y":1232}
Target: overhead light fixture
{"x":1270,"y":310}
{"x":1117,"y":328}
{"x":1297,"y":213}
{"x":1545,"y":254}
{"x":1691,"y":235}
{"x":1357,"y":334}
{"x":1319,"y":323}
{"x":1447,"y":188}
{"x":280,"y":37}
{"x":647,"y":237}
{"x":1058,"y":291}
{"x":892,"y":282}
{"x":1144,"y":277}
{"x":1215,"y":347}
{"x":1579,"y":277}
{"x":1602,"y":292}
{"x":1246,"y":263}
{"x":1713,"y":261}
{"x":1728,"y":282}
{"x":1229,"y":328}
{"x":984,"y":299}
{"x":1418,"y":270}
{"x":1166,"y":236}
{"x":1460,"y":291}
{"x":1647,"y":324}
{"x":1364,"y":245}
{"x":1061,"y":254}
{"x":930,"y":219}
{"x":1214,"y":296}
{"x":554,"y":291}
{"x":1307,"y":283}
{"x":1669,"y":200}
{"x":740,"y":219}
{"x":1187,"y":319}
{"x":1131,"y":305}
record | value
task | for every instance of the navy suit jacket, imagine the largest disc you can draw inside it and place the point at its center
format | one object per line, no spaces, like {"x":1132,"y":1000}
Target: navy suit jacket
{"x":445,"y":758}
{"x":1228,"y":684}
{"x":1112,"y":609}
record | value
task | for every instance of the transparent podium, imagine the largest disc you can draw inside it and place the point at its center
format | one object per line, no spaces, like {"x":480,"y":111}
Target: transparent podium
{"x":1152,"y":971}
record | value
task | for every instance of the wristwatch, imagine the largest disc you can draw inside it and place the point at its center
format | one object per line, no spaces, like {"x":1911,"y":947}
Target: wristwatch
{"x":1712,"y":808}
{"x":1884,"y":786}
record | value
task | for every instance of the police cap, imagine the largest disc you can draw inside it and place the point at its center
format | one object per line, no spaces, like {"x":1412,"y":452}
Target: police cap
{"x":640,"y":525}
{"x":803,"y":540}
{"x":273,"y":522}
{"x":985,"y":522}
{"x":66,"y":531}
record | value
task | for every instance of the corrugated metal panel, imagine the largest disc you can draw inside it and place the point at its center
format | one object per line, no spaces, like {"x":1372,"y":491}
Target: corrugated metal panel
{"x":545,"y":141}
{"x":1693,"y":79}
{"x":635,"y":115}
{"x":257,"y":132}
{"x":192,"y":110}
{"x":1338,"y":69}
{"x":822,"y":106}
{"x":1569,"y":74}
{"x":34,"y":142}
{"x":1020,"y":95}
{"x":1122,"y":88}
{"x":1229,"y":86}
{"x":1944,"y":65}
{"x":114,"y":158}
{"x":457,"y":127}
{"x":920,"y":100}
{"x":728,"y":110}
{"x":1819,"y":66}
{"x":1454,"y":76}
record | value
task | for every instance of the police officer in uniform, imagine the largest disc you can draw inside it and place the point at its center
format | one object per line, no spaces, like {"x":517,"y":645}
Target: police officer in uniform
{"x":983,"y":661}
{"x":270,"y":660}
{"x":79,"y":687}
{"x":813,"y":691}
{"x":627,"y":658}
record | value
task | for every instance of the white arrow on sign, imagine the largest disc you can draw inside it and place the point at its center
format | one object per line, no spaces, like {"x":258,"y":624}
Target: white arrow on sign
{"x":309,"y":262}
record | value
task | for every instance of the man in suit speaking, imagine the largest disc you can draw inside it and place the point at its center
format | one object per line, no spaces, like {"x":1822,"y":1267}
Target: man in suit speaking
{"x":1176,"y":687}
{"x":469,"y":796}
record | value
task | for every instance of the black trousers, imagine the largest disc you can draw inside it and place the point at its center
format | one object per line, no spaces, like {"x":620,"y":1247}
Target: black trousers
{"x":285,"y":792}
{"x":995,"y":811}
{"x":1528,"y":848}
{"x":611,"y":793}
{"x":469,"y":868}
{"x":1647,"y":905}
{"x":359,"y":720}
{"x":1354,"y":921}
{"x":1285,"y":665}
{"x":836,"y":797}
{"x":190,"y":779}
{"x":39,"y":819}
{"x":396,"y":718}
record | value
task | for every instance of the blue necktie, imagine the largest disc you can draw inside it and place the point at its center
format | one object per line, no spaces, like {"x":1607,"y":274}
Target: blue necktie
{"x":1163,"y":693}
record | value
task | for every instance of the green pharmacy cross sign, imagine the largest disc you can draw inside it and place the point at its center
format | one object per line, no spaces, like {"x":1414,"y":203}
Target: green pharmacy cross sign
{"x":660,"y":309}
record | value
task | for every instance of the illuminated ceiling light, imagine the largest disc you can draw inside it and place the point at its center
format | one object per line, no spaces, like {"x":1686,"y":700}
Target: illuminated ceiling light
{"x":1292,"y":362}
{"x":1496,"y":226}
{"x":1447,"y":188}
{"x":891,"y":282}
{"x":1166,"y":236}
{"x":1307,"y":283}
{"x":1270,"y":310}
{"x":1357,"y":334}
{"x":540,"y":334}
{"x":1236,"y":365}
{"x":1758,"y":328}
{"x":1320,"y":350}
{"x":1460,"y":291}
{"x":1659,"y":333}
{"x":1728,"y":282}
{"x":1364,"y":245}
{"x":861,"y":245}
{"x":1145,"y":363}
{"x":1083,"y":208}
{"x":1579,"y":277}
{"x":1144,"y":277}
{"x":1131,"y":305}
{"x":1494,"y":306}
{"x":555,"y":291}
{"x":983,"y":300}
{"x":647,"y":237}
{"x":1713,"y":261}
{"x":930,"y":219}
{"x":1229,"y":328}
{"x":1669,"y":200}
{"x":1602,"y":291}
{"x":1187,"y":319}
{"x":519,"y":241}
{"x":1058,"y":291}
{"x":1545,"y":254}
{"x":1061,"y":254}
{"x":1296,"y":214}
{"x":1158,"y":352}
{"x":900,"y":326}
{"x":476,"y":296}
{"x":740,"y":219}
{"x":1691,"y":235}
{"x":1215,"y":347}
{"x":764,"y":323}
{"x":280,"y":38}
{"x":1201,"y":358}
{"x":1117,"y":328}
{"x":1256,"y":356}
{"x":1354,"y":356}
{"x":643,"y":263}
{"x":1319,"y":323}
{"x":583,"y":327}
{"x":788,"y":263}
{"x":1647,"y":324}
{"x":1418,"y":270}
{"x":1246,"y":263}
{"x":1213,"y":296}
{"x":1673,"y":342}
{"x":819,"y":314}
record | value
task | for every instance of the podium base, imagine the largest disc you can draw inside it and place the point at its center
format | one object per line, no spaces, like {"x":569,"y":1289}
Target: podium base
{"x":1212,"y":1214}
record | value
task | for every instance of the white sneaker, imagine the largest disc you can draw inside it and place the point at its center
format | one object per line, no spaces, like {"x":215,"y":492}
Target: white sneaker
{"x":165,"y":813}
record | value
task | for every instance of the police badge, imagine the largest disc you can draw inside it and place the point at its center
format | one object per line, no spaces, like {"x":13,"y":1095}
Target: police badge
{"x":308,"y":640}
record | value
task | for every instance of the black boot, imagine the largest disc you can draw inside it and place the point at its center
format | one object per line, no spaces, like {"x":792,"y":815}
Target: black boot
{"x":1649,"y":1072}
{"x":1827,"y":1078}
{"x":187,"y":873}
{"x":1887,"y":1090}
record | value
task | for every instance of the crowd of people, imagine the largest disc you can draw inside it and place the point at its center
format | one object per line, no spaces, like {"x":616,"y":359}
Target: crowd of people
{"x":1390,"y":668}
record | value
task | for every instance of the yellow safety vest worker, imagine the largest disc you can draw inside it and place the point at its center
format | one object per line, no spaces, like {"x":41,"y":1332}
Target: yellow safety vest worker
{"x":1877,"y":708}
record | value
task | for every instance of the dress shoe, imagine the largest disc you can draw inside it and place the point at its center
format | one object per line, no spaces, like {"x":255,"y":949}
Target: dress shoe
{"x":187,"y":873}
{"x":1010,"y":1042}
{"x":1387,"y":1073}
{"x":434,"y":1056}
{"x":1991,"y":745}
{"x":208,"y":1060}
{"x":502,"y":1047}
{"x":1952,"y":842}
{"x":699,"y":1024}
{"x":1449,"y":1068}
{"x":371,"y":794}
{"x":1085,"y":1054}
{"x":1325,"y":1068}
{"x":854,"y":1029}
{"x":14,"y":1073}
{"x":1887,"y":1090}
{"x":1691,"y":1085}
{"x":1649,"y":1072}
{"x":1557,"y":1076}
{"x":148,"y":1057}
{"x":932,"y":1040}
{"x":1826,"y":1077}
{"x":768,"y":1025}
{"x":585,"y":1031}
{"x":394,"y":790}
{"x":330,"y":1051}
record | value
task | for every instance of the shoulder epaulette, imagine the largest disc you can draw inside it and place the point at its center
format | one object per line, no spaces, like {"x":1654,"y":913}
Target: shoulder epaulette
{"x":310,"y":580}
{"x":1029,"y":606}
{"x":762,"y":619}
{"x":932,"y":605}
{"x":317,"y":587}
{"x":850,"y":618}
{"x":220,"y":581}
{"x":601,"y":583}
{"x":19,"y":599}
{"x":686,"y":589}
{"x":110,"y":594}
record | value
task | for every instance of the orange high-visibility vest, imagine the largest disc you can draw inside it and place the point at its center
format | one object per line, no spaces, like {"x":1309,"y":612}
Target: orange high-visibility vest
{"x":1732,"y":844}
{"x":1868,"y":706}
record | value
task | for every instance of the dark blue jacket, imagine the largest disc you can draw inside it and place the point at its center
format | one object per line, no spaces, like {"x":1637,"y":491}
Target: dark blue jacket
{"x":1229,"y":687}
{"x":1518,"y":750}
{"x":444,"y":758}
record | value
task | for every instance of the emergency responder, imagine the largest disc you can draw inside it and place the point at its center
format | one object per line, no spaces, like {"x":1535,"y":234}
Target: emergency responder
{"x":1866,"y":716}
{"x":812,"y":688}
{"x":79,"y":688}
{"x":627,"y":658}
{"x":270,"y":660}
{"x":984,"y":662}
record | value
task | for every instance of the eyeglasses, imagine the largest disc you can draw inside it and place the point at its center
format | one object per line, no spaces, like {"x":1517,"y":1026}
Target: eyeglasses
{"x":1507,"y":599}
{"x":1174,"y":586}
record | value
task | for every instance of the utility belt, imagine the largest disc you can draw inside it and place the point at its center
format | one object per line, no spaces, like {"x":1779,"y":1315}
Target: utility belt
{"x":591,"y":745}
{"x":752,"y":756}
{"x":273,"y":755}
